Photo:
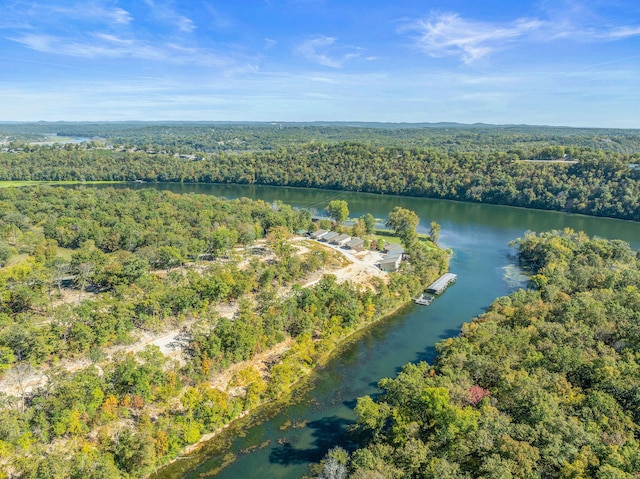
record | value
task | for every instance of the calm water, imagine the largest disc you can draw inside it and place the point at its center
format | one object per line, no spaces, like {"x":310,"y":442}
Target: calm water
{"x":479,"y":236}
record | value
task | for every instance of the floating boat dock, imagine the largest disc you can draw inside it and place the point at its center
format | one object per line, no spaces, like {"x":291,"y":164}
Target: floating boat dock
{"x":424,"y":300}
{"x":441,"y":283}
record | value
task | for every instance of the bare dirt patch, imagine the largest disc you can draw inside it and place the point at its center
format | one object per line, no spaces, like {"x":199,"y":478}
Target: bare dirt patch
{"x":71,"y":296}
{"x":260,"y":362}
{"x":358,"y":267}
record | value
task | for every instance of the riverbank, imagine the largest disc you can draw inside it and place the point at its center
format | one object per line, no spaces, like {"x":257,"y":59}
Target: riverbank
{"x":361,"y":271}
{"x":266,"y":409}
{"x":479,"y":234}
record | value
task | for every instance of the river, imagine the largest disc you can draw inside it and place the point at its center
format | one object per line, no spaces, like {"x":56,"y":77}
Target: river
{"x":268,"y":447}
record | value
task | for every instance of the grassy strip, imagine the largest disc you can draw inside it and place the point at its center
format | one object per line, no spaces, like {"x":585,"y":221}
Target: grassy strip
{"x":390,"y":237}
{"x":64,"y":253}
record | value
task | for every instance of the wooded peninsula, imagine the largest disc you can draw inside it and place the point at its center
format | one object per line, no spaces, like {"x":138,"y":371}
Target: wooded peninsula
{"x":544,"y":384}
{"x":89,"y":272}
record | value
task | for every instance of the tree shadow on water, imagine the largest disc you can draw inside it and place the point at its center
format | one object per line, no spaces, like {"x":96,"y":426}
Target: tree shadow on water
{"x":450,"y":333}
{"x":429,"y":353}
{"x":352,"y":403}
{"x":327,"y":433}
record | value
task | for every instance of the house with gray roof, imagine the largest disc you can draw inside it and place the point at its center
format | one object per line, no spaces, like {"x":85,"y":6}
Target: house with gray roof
{"x":341,"y":240}
{"x":390,"y":264}
{"x":318,"y":234}
{"x":329,"y":236}
{"x":356,"y":244}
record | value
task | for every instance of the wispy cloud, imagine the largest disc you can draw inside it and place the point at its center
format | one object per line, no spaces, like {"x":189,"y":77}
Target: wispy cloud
{"x":321,"y":49}
{"x":623,"y":32}
{"x":81,"y":10}
{"x":99,"y":31}
{"x":115,"y":15}
{"x":450,"y":35}
{"x":108,"y":46}
{"x":102,"y":45}
{"x":218,"y":19}
{"x":113,"y":39}
{"x":447,"y":34}
{"x":164,"y":11}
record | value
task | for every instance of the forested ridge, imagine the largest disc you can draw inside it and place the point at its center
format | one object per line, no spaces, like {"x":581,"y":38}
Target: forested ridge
{"x":595,"y":173}
{"x":545,"y":384}
{"x":84,"y":272}
{"x":192,"y":137}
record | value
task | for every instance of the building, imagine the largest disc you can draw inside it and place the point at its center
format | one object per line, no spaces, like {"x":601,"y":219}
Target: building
{"x":318,"y":234}
{"x":394,"y":255}
{"x":356,"y":244}
{"x":329,"y":236}
{"x":341,"y":240}
{"x":393,"y":248}
{"x":390,"y":264}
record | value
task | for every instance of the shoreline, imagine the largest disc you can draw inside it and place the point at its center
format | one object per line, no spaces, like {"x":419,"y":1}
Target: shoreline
{"x":295,"y":387}
{"x":156,"y":183}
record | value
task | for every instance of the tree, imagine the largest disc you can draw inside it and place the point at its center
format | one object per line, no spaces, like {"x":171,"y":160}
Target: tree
{"x":359,"y":228}
{"x":85,"y":273}
{"x":277,"y":238}
{"x":434,"y":232}
{"x":369,"y":223}
{"x":169,"y":255}
{"x":86,"y":262}
{"x":334,"y":465}
{"x":338,"y":210}
{"x":222,"y":240}
{"x":404,"y":223}
{"x":60,"y":272}
{"x":6,"y":252}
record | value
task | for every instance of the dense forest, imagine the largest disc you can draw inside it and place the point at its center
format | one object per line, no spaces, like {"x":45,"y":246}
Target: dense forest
{"x":591,"y":172}
{"x":545,"y":384}
{"x":193,"y":137}
{"x":86,"y":274}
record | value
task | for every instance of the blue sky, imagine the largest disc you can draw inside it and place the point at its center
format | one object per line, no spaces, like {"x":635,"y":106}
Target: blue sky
{"x":573,"y":62}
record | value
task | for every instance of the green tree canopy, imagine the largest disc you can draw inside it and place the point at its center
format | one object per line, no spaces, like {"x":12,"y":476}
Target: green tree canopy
{"x":404,"y":223}
{"x":338,"y":210}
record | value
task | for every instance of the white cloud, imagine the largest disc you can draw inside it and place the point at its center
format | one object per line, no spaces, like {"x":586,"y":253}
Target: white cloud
{"x":218,"y":19}
{"x":90,"y":10}
{"x":321,"y":49}
{"x":113,"y":39}
{"x":447,"y":34}
{"x":450,"y":35}
{"x":165,"y":12}
{"x":318,"y":79}
{"x":108,"y":46}
{"x":118,"y":15}
{"x":96,"y":30}
{"x":103,"y":45}
{"x":624,"y":32}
